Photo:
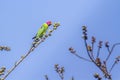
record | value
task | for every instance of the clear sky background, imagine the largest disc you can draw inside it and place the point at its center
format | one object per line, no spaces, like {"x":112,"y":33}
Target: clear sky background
{"x":20,"y":20}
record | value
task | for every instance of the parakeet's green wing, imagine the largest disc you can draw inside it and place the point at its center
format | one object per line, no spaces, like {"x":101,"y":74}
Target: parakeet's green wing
{"x":42,"y":31}
{"x":38,"y":33}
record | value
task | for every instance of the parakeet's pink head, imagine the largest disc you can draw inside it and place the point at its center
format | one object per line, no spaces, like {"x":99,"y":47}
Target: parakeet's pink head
{"x":48,"y":23}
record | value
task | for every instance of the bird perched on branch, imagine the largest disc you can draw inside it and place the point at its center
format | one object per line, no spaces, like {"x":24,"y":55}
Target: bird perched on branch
{"x":42,"y":31}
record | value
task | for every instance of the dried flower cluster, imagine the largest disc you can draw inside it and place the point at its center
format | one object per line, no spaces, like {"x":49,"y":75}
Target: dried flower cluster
{"x":55,"y":25}
{"x":2,"y":70}
{"x":97,"y":76}
{"x":93,"y":39}
{"x":84,"y":28}
{"x":6,"y":48}
{"x":72,"y":50}
{"x":60,"y":71}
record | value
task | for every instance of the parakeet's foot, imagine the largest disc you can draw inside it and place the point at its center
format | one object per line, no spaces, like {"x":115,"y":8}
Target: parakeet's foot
{"x":36,"y":40}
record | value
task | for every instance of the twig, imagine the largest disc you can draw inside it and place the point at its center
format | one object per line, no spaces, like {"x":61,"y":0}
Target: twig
{"x":93,"y":40}
{"x":112,"y":67}
{"x":98,"y":52}
{"x":110,"y":51}
{"x":92,"y":51}
{"x":115,"y":62}
{"x":99,"y":47}
{"x":82,"y":58}
{"x":61,"y":76}
{"x":74,"y":53}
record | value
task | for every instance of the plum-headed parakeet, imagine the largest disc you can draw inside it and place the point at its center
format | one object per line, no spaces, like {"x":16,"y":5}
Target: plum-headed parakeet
{"x":41,"y":32}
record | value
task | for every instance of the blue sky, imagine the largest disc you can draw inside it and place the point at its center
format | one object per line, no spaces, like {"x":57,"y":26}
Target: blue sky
{"x":20,"y":20}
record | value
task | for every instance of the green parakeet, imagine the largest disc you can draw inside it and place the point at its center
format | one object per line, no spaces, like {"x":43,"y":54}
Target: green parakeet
{"x":41,"y":32}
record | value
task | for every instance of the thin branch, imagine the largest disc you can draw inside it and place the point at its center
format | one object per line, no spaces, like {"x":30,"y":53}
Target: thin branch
{"x":92,"y":51}
{"x":74,"y":53}
{"x":112,"y":67}
{"x":98,"y":52}
{"x":105,"y":66}
{"x":61,"y":76}
{"x":82,"y":57}
{"x":115,"y":62}
{"x":88,"y":51}
{"x":93,"y":40}
{"x":104,"y":72}
{"x":116,"y":44}
{"x":110,"y":51}
{"x":99,"y":47}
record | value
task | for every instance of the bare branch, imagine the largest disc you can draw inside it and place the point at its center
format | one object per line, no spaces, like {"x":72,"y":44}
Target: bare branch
{"x":92,"y":51}
{"x":98,"y":52}
{"x":99,"y":47}
{"x":6,"y":48}
{"x":74,"y":53}
{"x":82,"y":58}
{"x":115,"y":62}
{"x":110,"y":51}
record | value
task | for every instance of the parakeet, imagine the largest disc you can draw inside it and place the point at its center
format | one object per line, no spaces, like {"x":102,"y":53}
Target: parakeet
{"x":42,"y":31}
